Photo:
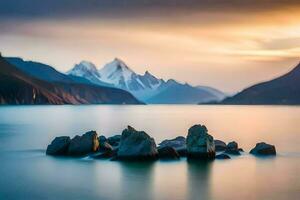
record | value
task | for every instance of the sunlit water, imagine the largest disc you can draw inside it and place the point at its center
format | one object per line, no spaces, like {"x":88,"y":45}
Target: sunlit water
{"x":27,"y":173}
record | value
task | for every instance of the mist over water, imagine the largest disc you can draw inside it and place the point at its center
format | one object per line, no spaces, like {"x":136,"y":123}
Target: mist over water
{"x":27,"y":173}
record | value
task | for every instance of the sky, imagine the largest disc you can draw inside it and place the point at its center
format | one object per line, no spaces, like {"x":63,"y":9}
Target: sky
{"x":226,"y":44}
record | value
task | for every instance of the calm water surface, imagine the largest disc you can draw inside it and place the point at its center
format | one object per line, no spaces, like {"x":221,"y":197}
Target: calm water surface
{"x":27,"y":173}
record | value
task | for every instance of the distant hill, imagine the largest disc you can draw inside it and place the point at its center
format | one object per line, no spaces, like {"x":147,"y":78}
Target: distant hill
{"x":173,"y":92}
{"x":18,"y":87}
{"x":284,"y":90}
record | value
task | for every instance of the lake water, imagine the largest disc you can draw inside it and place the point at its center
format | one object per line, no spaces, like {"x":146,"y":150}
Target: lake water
{"x":27,"y":173}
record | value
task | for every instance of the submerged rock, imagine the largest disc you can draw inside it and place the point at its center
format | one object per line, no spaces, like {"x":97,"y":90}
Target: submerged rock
{"x":168,"y":152}
{"x":232,"y":148}
{"x":136,"y":145}
{"x":82,"y":145}
{"x":59,"y":146}
{"x":263,"y":149}
{"x":199,"y":143}
{"x":220,"y":145}
{"x":222,"y":156}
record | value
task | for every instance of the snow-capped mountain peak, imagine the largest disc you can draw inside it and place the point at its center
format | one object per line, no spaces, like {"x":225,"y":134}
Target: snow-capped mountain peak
{"x":87,"y":65}
{"x":115,"y":70}
{"x":147,"y":73}
{"x":117,"y":73}
{"x":84,"y":68}
{"x":143,"y":86}
{"x":122,"y":76}
{"x":121,"y":64}
{"x":88,"y":71}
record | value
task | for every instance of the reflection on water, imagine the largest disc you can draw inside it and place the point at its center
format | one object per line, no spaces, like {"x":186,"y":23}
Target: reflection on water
{"x":26,"y":173}
{"x":137,"y":180}
{"x":199,"y":174}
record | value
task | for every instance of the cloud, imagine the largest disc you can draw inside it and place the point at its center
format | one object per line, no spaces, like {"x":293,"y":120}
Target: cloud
{"x":222,"y":43}
{"x":131,"y":8}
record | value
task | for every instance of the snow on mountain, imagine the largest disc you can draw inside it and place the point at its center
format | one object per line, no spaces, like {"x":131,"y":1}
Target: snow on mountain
{"x":116,"y":72}
{"x":145,"y":87}
{"x":88,"y":71}
{"x":120,"y":75}
{"x":84,"y":68}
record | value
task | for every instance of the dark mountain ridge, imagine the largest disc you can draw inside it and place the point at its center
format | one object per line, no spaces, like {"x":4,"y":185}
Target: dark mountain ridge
{"x":44,"y":72}
{"x":17,"y":87}
{"x":284,"y":90}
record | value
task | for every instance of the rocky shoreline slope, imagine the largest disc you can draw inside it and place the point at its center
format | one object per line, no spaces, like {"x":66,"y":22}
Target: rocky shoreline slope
{"x":138,"y":145}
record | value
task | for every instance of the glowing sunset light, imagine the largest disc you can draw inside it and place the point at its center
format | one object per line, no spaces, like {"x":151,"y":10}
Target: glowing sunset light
{"x":211,"y":44}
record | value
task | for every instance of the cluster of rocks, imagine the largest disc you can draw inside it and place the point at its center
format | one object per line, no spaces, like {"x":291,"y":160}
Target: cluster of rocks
{"x":138,"y":145}
{"x":77,"y":146}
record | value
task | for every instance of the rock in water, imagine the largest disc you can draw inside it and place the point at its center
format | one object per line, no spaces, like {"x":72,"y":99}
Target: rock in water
{"x":182,"y":152}
{"x":105,"y":146}
{"x":232,"y":148}
{"x":136,"y":145}
{"x":82,"y":145}
{"x":168,"y":152}
{"x":114,"y":140}
{"x":105,"y":151}
{"x":199,"y":143}
{"x":263,"y":149}
{"x":220,"y":145}
{"x":232,"y":145}
{"x":59,"y":146}
{"x":102,"y":139}
{"x":222,"y":156}
{"x":177,"y":143}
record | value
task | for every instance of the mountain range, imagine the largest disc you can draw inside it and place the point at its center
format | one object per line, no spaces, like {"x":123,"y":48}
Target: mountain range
{"x":284,"y":90}
{"x":145,"y":87}
{"x":29,"y":82}
{"x":36,"y":83}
